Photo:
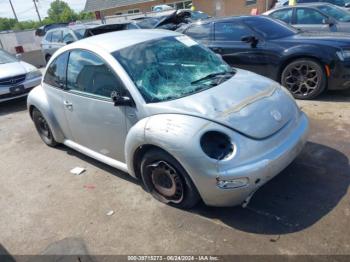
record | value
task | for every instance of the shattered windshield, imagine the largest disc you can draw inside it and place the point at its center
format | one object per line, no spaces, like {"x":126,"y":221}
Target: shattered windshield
{"x":172,"y":67}
{"x":6,"y":58}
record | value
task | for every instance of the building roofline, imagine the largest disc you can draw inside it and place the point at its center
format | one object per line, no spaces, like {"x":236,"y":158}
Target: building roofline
{"x":105,"y":4}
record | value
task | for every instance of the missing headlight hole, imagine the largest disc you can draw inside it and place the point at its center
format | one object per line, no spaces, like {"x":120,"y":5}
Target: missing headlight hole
{"x":217,"y":145}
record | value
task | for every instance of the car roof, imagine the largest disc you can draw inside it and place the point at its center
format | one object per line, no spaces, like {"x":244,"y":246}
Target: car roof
{"x":313,"y":4}
{"x":114,"y":41}
{"x":231,"y":18}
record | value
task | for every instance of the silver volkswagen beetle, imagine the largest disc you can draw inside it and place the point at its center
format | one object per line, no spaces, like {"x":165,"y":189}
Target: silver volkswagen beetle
{"x":171,"y":113}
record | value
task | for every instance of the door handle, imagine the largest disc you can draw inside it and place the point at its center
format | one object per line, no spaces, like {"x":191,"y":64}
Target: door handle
{"x":68,"y":105}
{"x":217,"y":49}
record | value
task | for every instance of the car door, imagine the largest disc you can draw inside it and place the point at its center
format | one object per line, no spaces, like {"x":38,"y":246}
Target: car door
{"x":227,"y":41}
{"x":46,"y":43}
{"x":93,"y":119}
{"x":54,"y":84}
{"x":56,"y":41}
{"x":310,"y":19}
{"x":68,"y":37}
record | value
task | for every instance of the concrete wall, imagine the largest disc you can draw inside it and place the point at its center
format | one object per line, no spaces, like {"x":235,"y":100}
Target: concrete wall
{"x":30,"y":43}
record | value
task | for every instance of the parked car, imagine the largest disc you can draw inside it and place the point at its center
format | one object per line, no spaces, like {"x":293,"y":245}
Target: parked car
{"x":59,"y":37}
{"x":171,"y":113}
{"x":342,"y":3}
{"x":172,"y":20}
{"x":305,"y":63}
{"x":314,"y":17}
{"x":42,"y":30}
{"x":17,"y":77}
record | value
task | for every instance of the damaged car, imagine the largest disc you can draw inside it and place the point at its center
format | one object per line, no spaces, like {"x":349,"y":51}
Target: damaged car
{"x":171,"y":113}
{"x":171,"y":21}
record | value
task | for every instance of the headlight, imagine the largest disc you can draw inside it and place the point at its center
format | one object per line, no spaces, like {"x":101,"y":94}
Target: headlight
{"x":217,"y":145}
{"x":33,"y":74}
{"x":343,"y":54}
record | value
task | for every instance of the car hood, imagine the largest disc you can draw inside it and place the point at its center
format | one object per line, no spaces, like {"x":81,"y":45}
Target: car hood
{"x":14,"y":69}
{"x":173,"y":20}
{"x":248,"y":103}
{"x":331,"y":38}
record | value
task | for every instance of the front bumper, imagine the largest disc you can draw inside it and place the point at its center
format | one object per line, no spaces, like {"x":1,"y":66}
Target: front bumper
{"x":28,"y":85}
{"x":339,"y":78}
{"x":258,"y":172}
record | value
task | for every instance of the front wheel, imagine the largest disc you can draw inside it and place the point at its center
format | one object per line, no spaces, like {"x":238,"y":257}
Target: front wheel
{"x":43,"y":128}
{"x":167,"y":181}
{"x":304,"y":78}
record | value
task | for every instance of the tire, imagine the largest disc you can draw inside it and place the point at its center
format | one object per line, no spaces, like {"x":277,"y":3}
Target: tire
{"x":43,"y":128}
{"x":304,"y":78}
{"x":47,"y":58}
{"x":160,"y":173}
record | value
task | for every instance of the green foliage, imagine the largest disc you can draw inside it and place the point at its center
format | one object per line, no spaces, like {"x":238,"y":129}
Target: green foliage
{"x":7,"y":23}
{"x":59,"y":12}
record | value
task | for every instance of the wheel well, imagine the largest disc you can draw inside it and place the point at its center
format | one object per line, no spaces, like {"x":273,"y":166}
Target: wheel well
{"x":138,"y":155}
{"x":47,"y":56}
{"x":291,"y":59}
{"x":31,"y":108}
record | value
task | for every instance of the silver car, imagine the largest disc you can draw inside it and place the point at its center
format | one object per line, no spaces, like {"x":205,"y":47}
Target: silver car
{"x":17,"y":77}
{"x":171,"y":113}
{"x":314,"y":17}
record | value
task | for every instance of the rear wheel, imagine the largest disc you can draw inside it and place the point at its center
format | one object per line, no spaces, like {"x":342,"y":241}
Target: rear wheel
{"x":167,"y":181}
{"x":304,"y":78}
{"x":43,"y":128}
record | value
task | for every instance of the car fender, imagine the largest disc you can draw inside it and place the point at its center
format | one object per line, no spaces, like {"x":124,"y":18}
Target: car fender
{"x":37,"y":98}
{"x":306,"y":50}
{"x":177,"y":134}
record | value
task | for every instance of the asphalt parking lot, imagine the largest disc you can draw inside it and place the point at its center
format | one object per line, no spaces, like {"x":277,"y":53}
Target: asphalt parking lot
{"x":47,"y":210}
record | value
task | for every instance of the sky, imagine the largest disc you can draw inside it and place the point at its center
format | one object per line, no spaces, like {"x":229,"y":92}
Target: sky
{"x":25,"y":8}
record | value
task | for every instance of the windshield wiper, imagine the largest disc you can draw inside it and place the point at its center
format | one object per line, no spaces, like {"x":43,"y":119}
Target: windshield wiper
{"x":213,"y":75}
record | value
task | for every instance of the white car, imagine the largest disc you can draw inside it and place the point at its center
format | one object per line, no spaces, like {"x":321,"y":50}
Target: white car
{"x":17,"y":78}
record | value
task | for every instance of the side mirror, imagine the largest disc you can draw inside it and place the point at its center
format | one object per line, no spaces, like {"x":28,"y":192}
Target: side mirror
{"x":329,"y":21}
{"x":121,"y":100}
{"x":19,"y":56}
{"x":250,"y":40}
{"x":69,"y":42}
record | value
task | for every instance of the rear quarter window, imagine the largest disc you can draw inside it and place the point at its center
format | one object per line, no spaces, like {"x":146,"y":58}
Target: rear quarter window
{"x":199,"y":32}
{"x":56,"y":72}
{"x":48,"y":37}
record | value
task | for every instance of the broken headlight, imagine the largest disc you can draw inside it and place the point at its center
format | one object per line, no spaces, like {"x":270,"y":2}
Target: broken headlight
{"x":217,"y":145}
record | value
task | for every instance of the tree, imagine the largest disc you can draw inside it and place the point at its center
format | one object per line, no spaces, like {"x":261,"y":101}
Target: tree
{"x":61,"y":12}
{"x":7,"y":23}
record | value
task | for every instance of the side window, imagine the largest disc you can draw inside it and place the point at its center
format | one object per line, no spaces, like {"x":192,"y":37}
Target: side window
{"x":87,"y":73}
{"x":48,"y":37}
{"x":56,"y":72}
{"x":68,"y":37}
{"x":309,"y":16}
{"x":199,"y":32}
{"x":284,"y":15}
{"x":56,"y":36}
{"x":230,"y":31}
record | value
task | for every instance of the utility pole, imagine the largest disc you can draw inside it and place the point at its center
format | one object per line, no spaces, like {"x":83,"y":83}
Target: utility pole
{"x":13,"y":10}
{"x":37,"y":11}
